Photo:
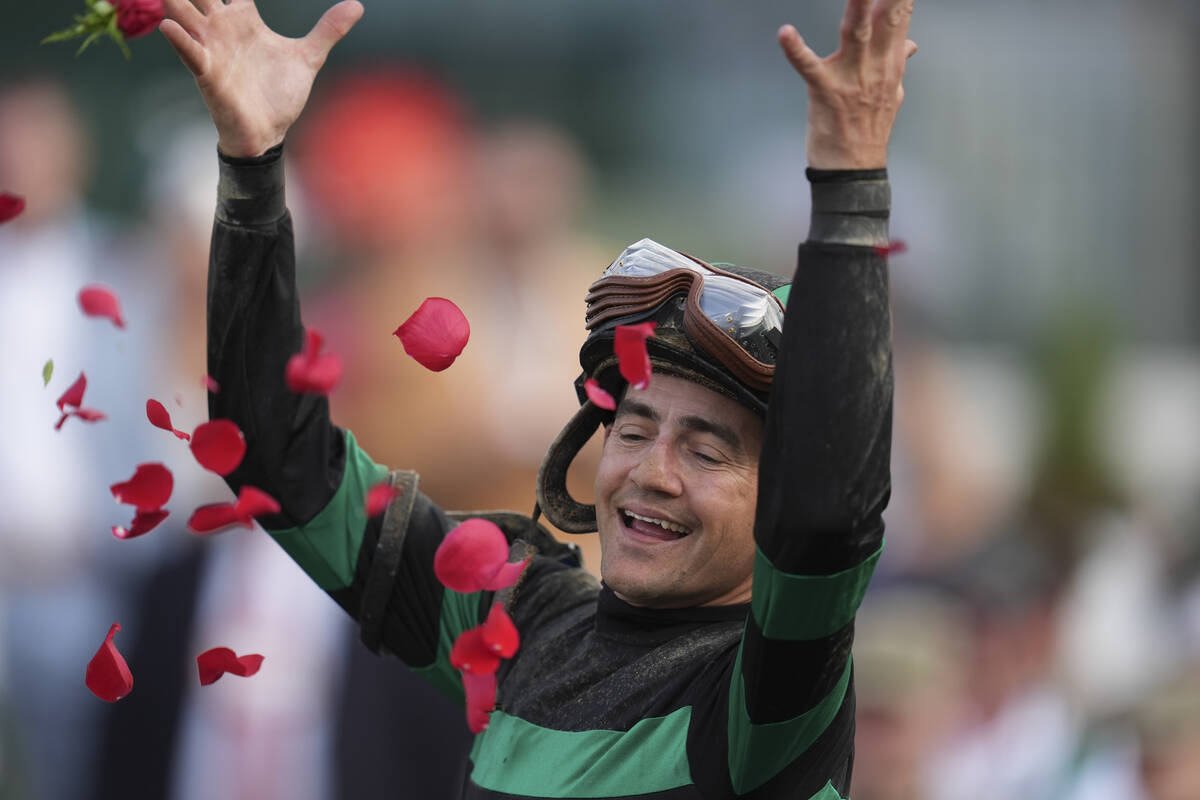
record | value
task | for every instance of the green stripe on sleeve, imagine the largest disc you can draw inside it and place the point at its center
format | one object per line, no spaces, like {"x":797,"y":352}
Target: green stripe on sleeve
{"x":519,"y":758}
{"x":459,"y":612}
{"x":759,"y":752}
{"x":327,"y":546}
{"x":798,"y":608}
{"x":827,"y":793}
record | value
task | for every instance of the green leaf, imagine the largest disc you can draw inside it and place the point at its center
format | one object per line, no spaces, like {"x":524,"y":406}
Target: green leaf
{"x":47,"y":371}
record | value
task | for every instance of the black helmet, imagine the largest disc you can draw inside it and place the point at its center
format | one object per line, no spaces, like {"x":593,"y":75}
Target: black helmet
{"x":718,"y":325}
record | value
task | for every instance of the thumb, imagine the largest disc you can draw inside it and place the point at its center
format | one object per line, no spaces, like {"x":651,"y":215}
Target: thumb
{"x":331,"y":27}
{"x":799,"y":54}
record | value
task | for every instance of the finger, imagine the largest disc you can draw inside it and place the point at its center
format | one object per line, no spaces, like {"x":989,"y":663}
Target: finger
{"x":799,"y":55}
{"x":185,"y":14}
{"x":207,"y":5}
{"x":191,"y":53}
{"x":856,"y":27}
{"x":331,"y":27}
{"x":890,"y":25}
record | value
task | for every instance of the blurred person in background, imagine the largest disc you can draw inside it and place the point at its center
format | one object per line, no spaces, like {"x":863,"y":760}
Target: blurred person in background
{"x":64,"y":578}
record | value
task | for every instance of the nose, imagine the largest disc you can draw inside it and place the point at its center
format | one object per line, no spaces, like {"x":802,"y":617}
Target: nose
{"x":658,"y":471}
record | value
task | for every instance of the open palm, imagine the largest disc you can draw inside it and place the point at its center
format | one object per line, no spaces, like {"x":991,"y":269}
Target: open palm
{"x":254,"y":81}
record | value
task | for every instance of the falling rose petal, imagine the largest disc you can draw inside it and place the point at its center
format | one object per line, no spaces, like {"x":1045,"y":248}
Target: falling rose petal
{"x":480,"y":690}
{"x":143,"y":522}
{"x":179,"y":401}
{"x":254,"y":502}
{"x":148,"y":489}
{"x":506,"y":576}
{"x":107,"y":674}
{"x":471,"y":654}
{"x":599,"y":397}
{"x":214,"y":516}
{"x":11,"y":206}
{"x":629,"y":343}
{"x":379,"y":496}
{"x":85,"y":414}
{"x":99,"y":301}
{"x":499,"y":634}
{"x":212,"y":664}
{"x":435,"y":334}
{"x":209,"y":383}
{"x":73,"y":396}
{"x":218,"y":445}
{"x":894,"y":247}
{"x":47,"y":371}
{"x":159,"y":418}
{"x":470,"y":555}
{"x":310,"y":371}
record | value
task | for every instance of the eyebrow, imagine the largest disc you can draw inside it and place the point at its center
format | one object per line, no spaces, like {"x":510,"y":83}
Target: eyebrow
{"x":689,"y":421}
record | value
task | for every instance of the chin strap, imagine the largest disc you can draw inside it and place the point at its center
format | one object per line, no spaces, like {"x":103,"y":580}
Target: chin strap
{"x":563,"y":511}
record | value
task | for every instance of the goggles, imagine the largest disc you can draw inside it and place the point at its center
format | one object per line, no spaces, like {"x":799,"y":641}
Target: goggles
{"x":732,"y":318}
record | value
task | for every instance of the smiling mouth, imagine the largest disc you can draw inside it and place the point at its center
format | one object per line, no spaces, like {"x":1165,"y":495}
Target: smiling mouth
{"x":653,"y":527}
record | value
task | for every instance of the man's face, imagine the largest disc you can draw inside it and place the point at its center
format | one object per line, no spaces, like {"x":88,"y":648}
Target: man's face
{"x":680,"y":454}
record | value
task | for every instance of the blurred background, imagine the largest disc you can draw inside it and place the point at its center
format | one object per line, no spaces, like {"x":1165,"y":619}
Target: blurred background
{"x":1034,"y":627}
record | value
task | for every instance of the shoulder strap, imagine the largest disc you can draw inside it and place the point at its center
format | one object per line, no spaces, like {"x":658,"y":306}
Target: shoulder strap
{"x":387,"y":558}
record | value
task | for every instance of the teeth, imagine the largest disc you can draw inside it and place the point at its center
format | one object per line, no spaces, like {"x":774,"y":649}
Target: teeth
{"x":662,"y":523}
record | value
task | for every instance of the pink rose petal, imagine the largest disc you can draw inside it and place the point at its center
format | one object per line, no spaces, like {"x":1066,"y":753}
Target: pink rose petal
{"x":99,"y":301}
{"x":379,"y":497}
{"x":435,"y":334}
{"x":148,"y":489}
{"x":143,"y":522}
{"x":107,"y":674}
{"x":506,"y":576}
{"x":499,"y":634}
{"x":309,"y":371}
{"x":471,"y":555}
{"x":480,"y":690}
{"x":212,"y":664}
{"x":599,"y":397}
{"x":218,"y":445}
{"x":156,"y":412}
{"x":11,"y":206}
{"x":629,"y":343}
{"x":471,"y":654}
{"x":210,"y":383}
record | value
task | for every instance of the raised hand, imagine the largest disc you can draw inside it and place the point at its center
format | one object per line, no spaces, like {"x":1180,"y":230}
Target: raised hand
{"x":854,"y":94}
{"x":254,"y":81}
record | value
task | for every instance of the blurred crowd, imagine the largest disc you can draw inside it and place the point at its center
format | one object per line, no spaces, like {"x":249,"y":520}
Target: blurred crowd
{"x":1033,"y":630}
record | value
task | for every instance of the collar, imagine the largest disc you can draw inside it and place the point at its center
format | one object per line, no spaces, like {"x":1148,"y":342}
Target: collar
{"x":617,"y":619}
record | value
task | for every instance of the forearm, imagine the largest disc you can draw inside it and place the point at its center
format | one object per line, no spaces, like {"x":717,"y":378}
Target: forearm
{"x":293,"y":451}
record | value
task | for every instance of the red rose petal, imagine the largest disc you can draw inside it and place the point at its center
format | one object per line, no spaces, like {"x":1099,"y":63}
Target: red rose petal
{"x":138,"y":17}
{"x":470,"y":555}
{"x":599,"y":397}
{"x":435,"y":334}
{"x":218,"y":445}
{"x":156,"y":412}
{"x":143,"y":522}
{"x":379,"y":497}
{"x":212,"y":664}
{"x":471,"y":654}
{"x":629,"y":343}
{"x":108,"y":675}
{"x":894,"y":247}
{"x":499,"y":634}
{"x":73,"y":396}
{"x":85,"y":414}
{"x":309,"y":372}
{"x":506,"y":576}
{"x":148,"y":489}
{"x":254,"y":502}
{"x":214,"y":516}
{"x":209,"y":383}
{"x":99,"y":301}
{"x":11,"y":205}
{"x":480,"y":690}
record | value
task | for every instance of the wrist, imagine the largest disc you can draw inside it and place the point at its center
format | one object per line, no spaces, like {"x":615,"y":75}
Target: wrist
{"x":251,"y":189}
{"x":850,"y":206}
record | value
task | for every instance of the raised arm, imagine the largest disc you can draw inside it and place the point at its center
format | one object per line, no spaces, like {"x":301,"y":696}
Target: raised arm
{"x":824,"y":472}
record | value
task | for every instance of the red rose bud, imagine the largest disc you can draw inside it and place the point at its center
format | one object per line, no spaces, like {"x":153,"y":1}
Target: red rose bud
{"x":629,"y":343}
{"x":99,"y":301}
{"x":499,"y":634}
{"x":218,"y":446}
{"x":474,"y":556}
{"x":143,"y":522}
{"x":108,"y":675}
{"x":149,"y":489}
{"x":159,"y":418}
{"x":435,"y":334}
{"x":138,"y":17}
{"x":599,"y":397}
{"x":480,"y":690}
{"x":379,"y":497}
{"x":11,"y":206}
{"x":212,"y":664}
{"x":310,"y":372}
